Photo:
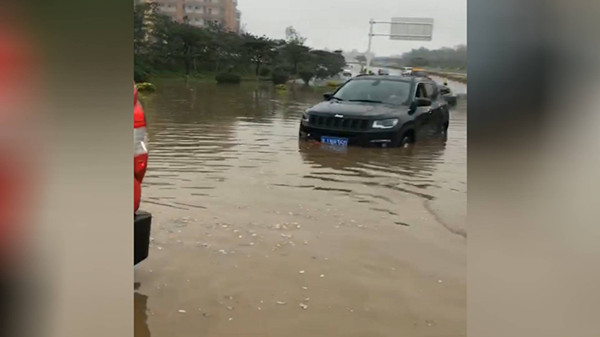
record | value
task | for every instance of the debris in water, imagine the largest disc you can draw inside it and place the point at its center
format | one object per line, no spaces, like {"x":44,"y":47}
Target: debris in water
{"x":440,"y":281}
{"x":322,"y":275}
{"x":181,"y":311}
{"x":303,"y":306}
{"x":240,"y":236}
{"x":281,"y":303}
{"x":429,"y":323}
{"x":298,"y":226}
{"x":159,"y":248}
{"x":305,"y":242}
{"x":253,"y":234}
{"x":277,"y":226}
{"x":231,"y":318}
{"x":229,"y":308}
{"x":301,"y":272}
{"x":305,"y":288}
{"x":251,"y":243}
{"x":223,"y":251}
{"x":289,"y":236}
{"x":402,"y":224}
{"x":259,"y":308}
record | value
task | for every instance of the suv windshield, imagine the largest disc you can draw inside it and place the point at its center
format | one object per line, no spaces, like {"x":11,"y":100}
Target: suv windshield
{"x":375,"y":90}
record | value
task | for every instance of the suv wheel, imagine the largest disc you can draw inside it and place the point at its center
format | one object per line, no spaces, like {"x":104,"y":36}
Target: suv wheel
{"x":405,"y":140}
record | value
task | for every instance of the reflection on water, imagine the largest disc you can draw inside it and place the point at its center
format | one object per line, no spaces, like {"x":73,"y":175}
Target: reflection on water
{"x":237,"y":198}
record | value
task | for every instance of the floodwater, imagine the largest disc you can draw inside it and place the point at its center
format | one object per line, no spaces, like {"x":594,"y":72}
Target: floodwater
{"x":257,"y":234}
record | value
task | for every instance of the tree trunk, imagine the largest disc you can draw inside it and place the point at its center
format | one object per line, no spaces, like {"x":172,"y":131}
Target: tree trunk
{"x":257,"y":68}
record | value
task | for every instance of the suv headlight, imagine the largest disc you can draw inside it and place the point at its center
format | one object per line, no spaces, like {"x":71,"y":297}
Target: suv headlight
{"x":385,"y":123}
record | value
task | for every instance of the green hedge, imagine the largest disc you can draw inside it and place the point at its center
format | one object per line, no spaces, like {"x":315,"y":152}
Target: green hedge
{"x":264,"y":72}
{"x":228,"y":78}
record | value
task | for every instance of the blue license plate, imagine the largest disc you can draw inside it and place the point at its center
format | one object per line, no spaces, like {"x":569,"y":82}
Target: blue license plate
{"x":334,"y":141}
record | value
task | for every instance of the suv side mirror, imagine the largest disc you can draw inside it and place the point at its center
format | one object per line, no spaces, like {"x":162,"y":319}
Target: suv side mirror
{"x":327,"y":95}
{"x":423,"y":102}
{"x":418,"y":102}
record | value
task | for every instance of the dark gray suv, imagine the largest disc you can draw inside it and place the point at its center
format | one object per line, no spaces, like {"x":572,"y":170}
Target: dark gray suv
{"x":377,"y":111}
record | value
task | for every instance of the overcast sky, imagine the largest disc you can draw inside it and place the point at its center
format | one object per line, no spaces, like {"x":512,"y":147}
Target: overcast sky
{"x":344,"y":24}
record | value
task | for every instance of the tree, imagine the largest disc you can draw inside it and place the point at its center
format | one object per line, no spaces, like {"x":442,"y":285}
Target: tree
{"x":225,"y":46}
{"x":443,"y":58}
{"x":292,"y":36}
{"x":295,"y":54}
{"x":327,"y":64}
{"x":306,"y":75}
{"x":362,"y":59}
{"x":259,"y":50}
{"x":189,"y":42}
{"x":294,"y":50}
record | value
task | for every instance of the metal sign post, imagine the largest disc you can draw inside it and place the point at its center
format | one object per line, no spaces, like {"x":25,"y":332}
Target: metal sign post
{"x":407,"y":29}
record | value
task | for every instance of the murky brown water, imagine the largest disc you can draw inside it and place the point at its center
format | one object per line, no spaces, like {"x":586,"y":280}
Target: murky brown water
{"x":256,"y":234}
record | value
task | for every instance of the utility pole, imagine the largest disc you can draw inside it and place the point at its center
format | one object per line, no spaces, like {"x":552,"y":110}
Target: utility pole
{"x":371,"y":23}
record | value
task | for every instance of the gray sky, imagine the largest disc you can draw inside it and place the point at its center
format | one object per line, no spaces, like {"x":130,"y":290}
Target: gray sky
{"x":344,"y":24}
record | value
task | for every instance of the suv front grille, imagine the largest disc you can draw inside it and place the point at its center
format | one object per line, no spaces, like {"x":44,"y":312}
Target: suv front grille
{"x":339,"y":123}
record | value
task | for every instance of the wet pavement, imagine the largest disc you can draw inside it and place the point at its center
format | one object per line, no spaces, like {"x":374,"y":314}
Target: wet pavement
{"x":258,"y":234}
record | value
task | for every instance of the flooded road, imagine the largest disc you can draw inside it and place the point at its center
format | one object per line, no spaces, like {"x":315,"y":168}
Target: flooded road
{"x":257,"y":234}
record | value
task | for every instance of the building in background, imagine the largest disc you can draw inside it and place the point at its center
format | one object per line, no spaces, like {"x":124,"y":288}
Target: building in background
{"x":200,"y":13}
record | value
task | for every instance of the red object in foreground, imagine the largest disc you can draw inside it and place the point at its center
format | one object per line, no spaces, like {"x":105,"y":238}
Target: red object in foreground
{"x":141,"y":220}
{"x":140,"y":159}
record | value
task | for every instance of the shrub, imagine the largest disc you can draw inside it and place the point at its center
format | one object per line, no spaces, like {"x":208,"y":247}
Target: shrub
{"x":228,"y":78}
{"x":264,"y":72}
{"x":145,"y":87}
{"x":306,"y":76}
{"x":279,"y":77}
{"x":332,"y":84}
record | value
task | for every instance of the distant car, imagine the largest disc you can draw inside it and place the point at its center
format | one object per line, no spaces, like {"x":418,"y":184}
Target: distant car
{"x":346,"y":74}
{"x":447,"y":94}
{"x":377,"y":111}
{"x":406,"y":71}
{"x":383,"y":72}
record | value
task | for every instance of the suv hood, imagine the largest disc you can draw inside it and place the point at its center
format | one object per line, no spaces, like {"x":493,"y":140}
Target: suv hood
{"x":357,"y":109}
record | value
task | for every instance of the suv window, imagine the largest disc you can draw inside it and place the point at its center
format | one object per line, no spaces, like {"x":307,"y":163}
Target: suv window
{"x":421,"y":93}
{"x":431,"y":90}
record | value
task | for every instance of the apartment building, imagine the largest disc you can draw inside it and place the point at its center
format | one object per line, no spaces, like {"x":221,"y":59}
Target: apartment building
{"x":201,"y":12}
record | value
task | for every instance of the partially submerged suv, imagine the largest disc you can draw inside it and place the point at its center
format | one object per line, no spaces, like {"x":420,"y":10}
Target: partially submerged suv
{"x":375,"y":110}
